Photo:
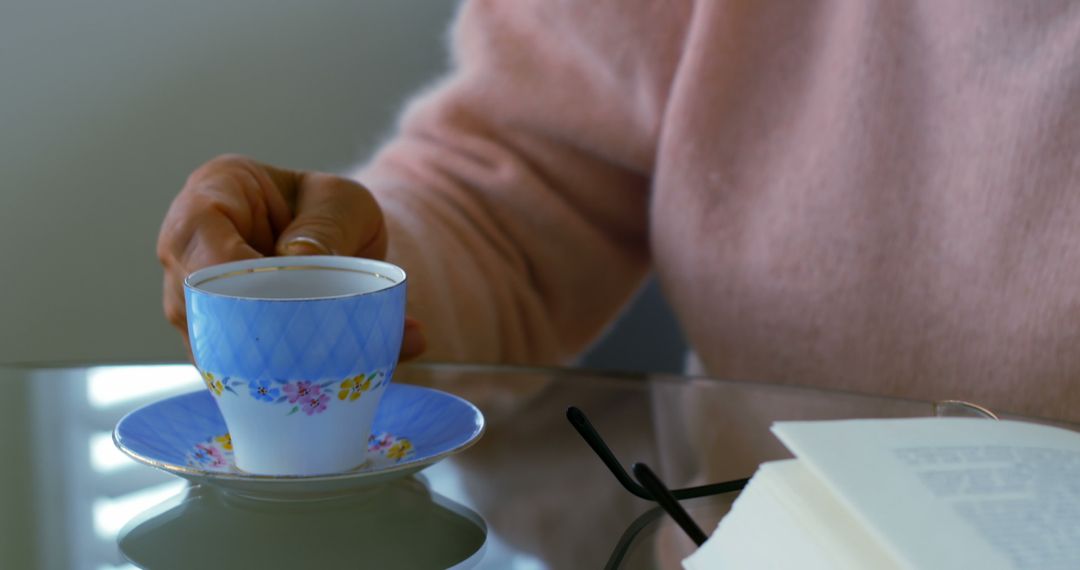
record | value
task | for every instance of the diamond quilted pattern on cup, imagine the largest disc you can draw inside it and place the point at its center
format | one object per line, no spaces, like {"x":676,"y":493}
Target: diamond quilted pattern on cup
{"x":283,"y":340}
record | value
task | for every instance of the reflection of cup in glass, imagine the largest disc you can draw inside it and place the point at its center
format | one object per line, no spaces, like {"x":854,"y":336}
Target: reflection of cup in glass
{"x":297,"y":352}
{"x":961,"y":409}
{"x":398,"y":525}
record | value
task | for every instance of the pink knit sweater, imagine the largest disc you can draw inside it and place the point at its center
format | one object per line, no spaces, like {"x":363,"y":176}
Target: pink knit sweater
{"x":874,"y":196}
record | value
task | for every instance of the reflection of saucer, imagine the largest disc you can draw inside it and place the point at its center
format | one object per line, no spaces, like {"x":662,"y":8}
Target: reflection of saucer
{"x":186,"y":436}
{"x":401,"y":525}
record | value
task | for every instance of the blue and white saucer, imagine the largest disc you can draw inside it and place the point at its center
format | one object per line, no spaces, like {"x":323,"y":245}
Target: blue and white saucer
{"x":186,"y":435}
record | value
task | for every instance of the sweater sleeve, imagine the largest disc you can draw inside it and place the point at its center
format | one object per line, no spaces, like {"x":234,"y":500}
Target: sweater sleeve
{"x":516,"y":190}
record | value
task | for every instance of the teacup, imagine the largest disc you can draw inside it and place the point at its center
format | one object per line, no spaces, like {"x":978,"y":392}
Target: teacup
{"x":297,"y":352}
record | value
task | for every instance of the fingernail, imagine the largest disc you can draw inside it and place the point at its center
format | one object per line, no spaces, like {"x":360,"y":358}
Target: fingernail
{"x":302,"y":245}
{"x":413,"y":342}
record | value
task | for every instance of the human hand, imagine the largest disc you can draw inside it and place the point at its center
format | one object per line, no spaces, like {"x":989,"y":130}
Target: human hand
{"x":234,"y":208}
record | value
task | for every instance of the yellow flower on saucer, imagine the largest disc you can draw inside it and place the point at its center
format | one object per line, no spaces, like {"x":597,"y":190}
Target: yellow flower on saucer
{"x":225,"y":441}
{"x":399,"y":450}
{"x":352,"y":388}
{"x":212,"y":383}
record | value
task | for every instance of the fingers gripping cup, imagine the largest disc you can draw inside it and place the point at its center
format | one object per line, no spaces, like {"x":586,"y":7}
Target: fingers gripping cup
{"x":297,"y":352}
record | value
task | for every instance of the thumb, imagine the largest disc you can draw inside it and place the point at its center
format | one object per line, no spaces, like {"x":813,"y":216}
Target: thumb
{"x":334,"y":216}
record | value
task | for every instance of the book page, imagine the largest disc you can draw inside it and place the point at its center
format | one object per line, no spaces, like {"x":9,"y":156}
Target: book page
{"x":787,"y":518}
{"x":953,"y":492}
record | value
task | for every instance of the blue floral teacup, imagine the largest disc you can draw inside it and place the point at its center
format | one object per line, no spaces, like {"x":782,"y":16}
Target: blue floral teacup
{"x":297,"y":352}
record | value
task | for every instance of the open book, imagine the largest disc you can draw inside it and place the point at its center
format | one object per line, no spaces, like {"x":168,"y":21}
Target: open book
{"x":905,"y":494}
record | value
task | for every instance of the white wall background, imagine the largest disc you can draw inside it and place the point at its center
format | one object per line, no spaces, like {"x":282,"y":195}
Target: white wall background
{"x":107,"y":105}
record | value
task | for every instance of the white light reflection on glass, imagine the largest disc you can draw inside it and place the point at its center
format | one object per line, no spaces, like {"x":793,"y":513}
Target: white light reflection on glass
{"x":109,"y":385}
{"x":104,"y":456}
{"x":523,"y":561}
{"x":111,"y":514}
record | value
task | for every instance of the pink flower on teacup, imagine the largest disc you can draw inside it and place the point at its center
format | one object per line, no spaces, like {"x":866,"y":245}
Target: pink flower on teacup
{"x":314,"y":404}
{"x":209,"y":455}
{"x":301,"y":390}
{"x":380,"y":442}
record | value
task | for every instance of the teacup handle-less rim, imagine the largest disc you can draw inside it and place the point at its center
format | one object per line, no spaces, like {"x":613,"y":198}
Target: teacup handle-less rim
{"x":394,"y":275}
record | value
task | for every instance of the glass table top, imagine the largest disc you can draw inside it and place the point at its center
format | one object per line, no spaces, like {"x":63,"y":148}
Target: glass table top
{"x":530,"y":495}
